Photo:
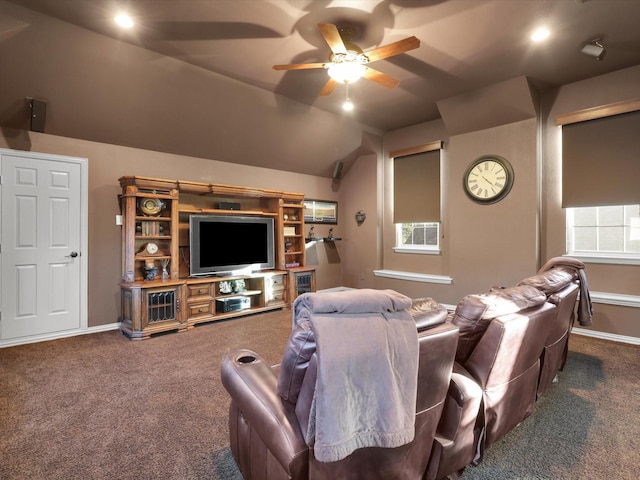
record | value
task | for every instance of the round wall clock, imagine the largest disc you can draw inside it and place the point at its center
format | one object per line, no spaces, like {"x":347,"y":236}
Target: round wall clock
{"x":488,"y":179}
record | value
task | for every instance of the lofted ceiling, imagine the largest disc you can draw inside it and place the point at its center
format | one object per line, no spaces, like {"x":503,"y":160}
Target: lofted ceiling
{"x":465,"y":44}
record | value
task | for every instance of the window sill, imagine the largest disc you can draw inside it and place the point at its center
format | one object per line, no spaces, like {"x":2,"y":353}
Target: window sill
{"x":604,"y":258}
{"x":417,"y":251}
{"x":414,"y":277}
{"x":619,"y":299}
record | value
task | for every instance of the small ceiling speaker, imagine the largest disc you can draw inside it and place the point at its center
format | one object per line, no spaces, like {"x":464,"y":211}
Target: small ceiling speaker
{"x":37,"y":114}
{"x":594,"y":49}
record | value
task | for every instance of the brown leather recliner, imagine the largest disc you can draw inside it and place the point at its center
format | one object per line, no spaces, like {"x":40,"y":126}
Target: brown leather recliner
{"x":561,"y":279}
{"x":266,"y":430}
{"x":494,"y":385}
{"x":561,"y":287}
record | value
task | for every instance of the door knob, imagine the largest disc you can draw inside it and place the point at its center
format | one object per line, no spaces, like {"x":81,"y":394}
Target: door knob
{"x":72,"y":255}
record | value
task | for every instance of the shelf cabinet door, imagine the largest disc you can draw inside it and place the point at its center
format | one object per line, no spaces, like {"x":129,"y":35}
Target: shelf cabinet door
{"x":302,"y":280}
{"x":146,"y":311}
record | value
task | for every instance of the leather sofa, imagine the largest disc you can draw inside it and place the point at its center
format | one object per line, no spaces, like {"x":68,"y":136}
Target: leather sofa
{"x":513,"y":342}
{"x":502,"y":336}
{"x":481,"y":369}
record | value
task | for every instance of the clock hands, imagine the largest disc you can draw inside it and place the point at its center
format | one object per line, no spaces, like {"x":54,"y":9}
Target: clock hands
{"x":486,"y":180}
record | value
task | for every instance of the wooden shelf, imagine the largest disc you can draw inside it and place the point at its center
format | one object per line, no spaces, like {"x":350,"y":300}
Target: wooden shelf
{"x":217,"y":211}
{"x":321,"y":239}
{"x":179,"y":302}
{"x":245,"y":293}
{"x":144,"y":218}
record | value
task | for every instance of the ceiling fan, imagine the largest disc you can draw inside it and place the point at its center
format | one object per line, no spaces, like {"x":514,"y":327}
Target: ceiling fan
{"x":347,"y":62}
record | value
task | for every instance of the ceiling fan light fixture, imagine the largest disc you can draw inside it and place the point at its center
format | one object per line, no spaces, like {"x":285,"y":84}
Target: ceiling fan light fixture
{"x":347,"y":106}
{"x":347,"y":72}
{"x":347,"y":68}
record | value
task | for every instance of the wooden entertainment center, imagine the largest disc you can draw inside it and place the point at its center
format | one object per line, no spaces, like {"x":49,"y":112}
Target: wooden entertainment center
{"x":157,"y":292}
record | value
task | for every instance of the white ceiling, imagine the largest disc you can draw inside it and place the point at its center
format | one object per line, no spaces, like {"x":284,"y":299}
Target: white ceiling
{"x":465,"y":44}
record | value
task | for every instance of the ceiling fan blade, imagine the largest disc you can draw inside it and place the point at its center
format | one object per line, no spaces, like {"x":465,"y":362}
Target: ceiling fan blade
{"x":392,"y":49}
{"x":328,"y":88}
{"x":298,"y":66}
{"x":380,"y":78}
{"x":332,"y":36}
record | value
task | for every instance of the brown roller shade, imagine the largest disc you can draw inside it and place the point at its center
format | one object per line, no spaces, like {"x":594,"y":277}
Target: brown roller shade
{"x":416,"y":188}
{"x":601,"y":161}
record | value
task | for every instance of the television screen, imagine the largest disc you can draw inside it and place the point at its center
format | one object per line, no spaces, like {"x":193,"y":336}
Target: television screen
{"x":222,"y":244}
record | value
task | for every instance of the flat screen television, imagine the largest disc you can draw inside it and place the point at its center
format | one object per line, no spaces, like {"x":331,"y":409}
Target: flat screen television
{"x":224,"y":244}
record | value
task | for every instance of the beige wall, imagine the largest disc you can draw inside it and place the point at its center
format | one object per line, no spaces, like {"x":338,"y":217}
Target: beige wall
{"x":227,"y":122}
{"x":621,"y":279}
{"x":110,"y":91}
{"x":359,"y":191}
{"x":484,"y":246}
{"x":107,"y":163}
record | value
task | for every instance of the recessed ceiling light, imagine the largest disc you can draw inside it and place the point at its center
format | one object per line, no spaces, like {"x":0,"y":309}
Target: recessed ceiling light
{"x":124,"y":20}
{"x":540,"y":34}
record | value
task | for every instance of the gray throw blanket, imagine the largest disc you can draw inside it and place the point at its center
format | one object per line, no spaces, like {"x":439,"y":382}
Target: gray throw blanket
{"x":367,"y":350}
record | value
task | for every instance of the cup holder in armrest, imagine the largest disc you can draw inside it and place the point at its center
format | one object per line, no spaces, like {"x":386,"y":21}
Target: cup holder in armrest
{"x":245,"y":359}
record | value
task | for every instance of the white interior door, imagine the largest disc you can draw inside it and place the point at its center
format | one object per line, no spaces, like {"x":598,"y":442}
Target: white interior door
{"x":42,"y":281}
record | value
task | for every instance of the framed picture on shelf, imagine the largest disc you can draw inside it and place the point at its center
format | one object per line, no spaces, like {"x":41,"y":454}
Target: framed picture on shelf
{"x":320,"y":211}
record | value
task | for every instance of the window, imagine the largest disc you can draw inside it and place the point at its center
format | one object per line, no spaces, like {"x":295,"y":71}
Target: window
{"x":600,"y":158}
{"x":416,"y":199}
{"x":607,"y":232}
{"x":600,"y":167}
{"x":418,"y":237}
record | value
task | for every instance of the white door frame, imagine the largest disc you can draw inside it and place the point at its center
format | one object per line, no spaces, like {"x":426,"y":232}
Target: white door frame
{"x":84,"y":244}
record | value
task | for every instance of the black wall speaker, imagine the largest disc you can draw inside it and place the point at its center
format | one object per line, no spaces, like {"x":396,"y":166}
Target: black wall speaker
{"x":337,"y":170}
{"x":38,"y":114}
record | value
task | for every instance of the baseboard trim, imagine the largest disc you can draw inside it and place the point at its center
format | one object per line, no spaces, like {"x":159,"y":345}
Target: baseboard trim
{"x":58,"y":335}
{"x":613,"y":337}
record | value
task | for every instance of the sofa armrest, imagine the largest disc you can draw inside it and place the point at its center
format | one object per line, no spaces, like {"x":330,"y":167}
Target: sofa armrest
{"x":456,"y":439}
{"x":252,"y":386}
{"x":461,"y":407}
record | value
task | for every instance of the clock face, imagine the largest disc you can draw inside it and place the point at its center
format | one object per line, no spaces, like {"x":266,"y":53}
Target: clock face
{"x":488,"y":179}
{"x":151,"y":248}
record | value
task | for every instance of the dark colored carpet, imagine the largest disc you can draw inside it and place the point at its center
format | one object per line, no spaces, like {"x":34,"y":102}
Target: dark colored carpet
{"x":586,"y":426}
{"x":102,"y":407}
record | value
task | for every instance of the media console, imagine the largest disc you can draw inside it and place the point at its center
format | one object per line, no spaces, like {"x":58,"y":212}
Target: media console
{"x":157,"y":292}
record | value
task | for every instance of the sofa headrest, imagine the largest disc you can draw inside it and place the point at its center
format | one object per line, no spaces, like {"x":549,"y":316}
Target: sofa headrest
{"x":562,"y":262}
{"x":302,"y":344}
{"x":552,"y":281}
{"x":362,"y":300}
{"x":474,"y":313}
{"x":427,"y":313}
